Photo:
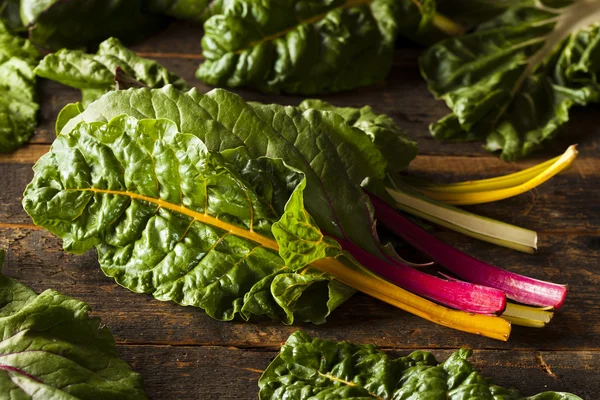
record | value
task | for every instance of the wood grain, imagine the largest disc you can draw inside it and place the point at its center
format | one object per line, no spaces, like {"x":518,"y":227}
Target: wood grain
{"x":184,"y":354}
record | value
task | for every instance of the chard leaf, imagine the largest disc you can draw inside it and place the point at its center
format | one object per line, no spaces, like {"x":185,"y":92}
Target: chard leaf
{"x":334,"y":156}
{"x":170,"y":218}
{"x":513,"y":81}
{"x":306,"y":47}
{"x":51,"y":348}
{"x":80,"y":23}
{"x":18,"y":106}
{"x":308,"y":368}
{"x":94,"y":74}
{"x":395,"y":144}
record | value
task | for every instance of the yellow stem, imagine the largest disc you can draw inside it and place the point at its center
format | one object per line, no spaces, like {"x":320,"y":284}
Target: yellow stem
{"x":499,"y":182}
{"x":374,"y":286}
{"x":527,"y":312}
{"x":530,"y":323}
{"x":366,"y":282}
{"x":486,"y":191}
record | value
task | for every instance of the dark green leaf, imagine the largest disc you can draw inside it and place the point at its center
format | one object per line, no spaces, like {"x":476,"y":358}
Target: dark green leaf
{"x":307,"y":47}
{"x":52,"y":349}
{"x":18,"y":106}
{"x":80,"y":23}
{"x":315,"y":369}
{"x":10,"y":15}
{"x":192,"y":10}
{"x":94,"y":74}
{"x":169,"y":218}
{"x":513,"y":81}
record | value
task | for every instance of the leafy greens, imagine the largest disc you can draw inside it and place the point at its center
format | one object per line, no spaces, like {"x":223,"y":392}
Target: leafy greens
{"x":94,"y":74}
{"x":178,"y":252}
{"x":135,"y":175}
{"x":308,"y":47}
{"x":513,"y":81}
{"x":308,"y":368}
{"x":51,"y":348}
{"x":18,"y":106}
{"x":168,"y":217}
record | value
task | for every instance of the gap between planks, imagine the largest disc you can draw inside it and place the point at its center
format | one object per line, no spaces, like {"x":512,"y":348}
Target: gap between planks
{"x":242,"y":347}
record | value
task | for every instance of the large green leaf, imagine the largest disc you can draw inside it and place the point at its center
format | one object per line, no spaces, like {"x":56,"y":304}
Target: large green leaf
{"x":514,"y":80}
{"x":75,"y":23}
{"x":334,"y":156}
{"x":302,"y":46}
{"x":94,"y":74}
{"x":170,"y":218}
{"x":51,"y":349}
{"x":18,"y":106}
{"x":308,"y":368}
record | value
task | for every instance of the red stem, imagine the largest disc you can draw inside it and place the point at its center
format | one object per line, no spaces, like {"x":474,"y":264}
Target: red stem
{"x":455,"y":294}
{"x":517,"y":287}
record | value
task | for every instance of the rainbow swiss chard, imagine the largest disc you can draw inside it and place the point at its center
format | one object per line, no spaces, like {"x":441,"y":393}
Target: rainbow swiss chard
{"x":333,"y":153}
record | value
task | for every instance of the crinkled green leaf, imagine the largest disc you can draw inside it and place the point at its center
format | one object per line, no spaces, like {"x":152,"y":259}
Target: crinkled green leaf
{"x":308,"y":368}
{"x":18,"y":106}
{"x":513,"y":81}
{"x":94,"y":74}
{"x":334,"y":156}
{"x":52,"y":349}
{"x":169,"y":218}
{"x":80,"y":23}
{"x":392,"y":141}
{"x":307,"y":47}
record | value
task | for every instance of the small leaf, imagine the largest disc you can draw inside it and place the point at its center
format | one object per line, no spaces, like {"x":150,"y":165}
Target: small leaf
{"x":18,"y":99}
{"x":51,"y":348}
{"x":94,"y":74}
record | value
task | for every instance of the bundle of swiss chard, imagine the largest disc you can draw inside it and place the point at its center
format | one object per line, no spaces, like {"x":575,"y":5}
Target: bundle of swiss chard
{"x":322,"y":369}
{"x":245,"y":209}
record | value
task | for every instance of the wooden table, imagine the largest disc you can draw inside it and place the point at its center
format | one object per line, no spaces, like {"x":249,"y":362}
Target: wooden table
{"x":184,"y":354}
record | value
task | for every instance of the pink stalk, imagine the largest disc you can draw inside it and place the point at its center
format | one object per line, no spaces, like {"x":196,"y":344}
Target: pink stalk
{"x":517,"y":287}
{"x":455,"y":294}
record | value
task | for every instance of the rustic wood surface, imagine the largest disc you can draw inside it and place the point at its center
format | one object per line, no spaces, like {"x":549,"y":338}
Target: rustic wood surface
{"x":184,"y":354}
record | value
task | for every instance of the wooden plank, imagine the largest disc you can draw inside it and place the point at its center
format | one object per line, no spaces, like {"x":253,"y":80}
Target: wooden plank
{"x":563,"y":204}
{"x":36,"y":258}
{"x":230,"y":373}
